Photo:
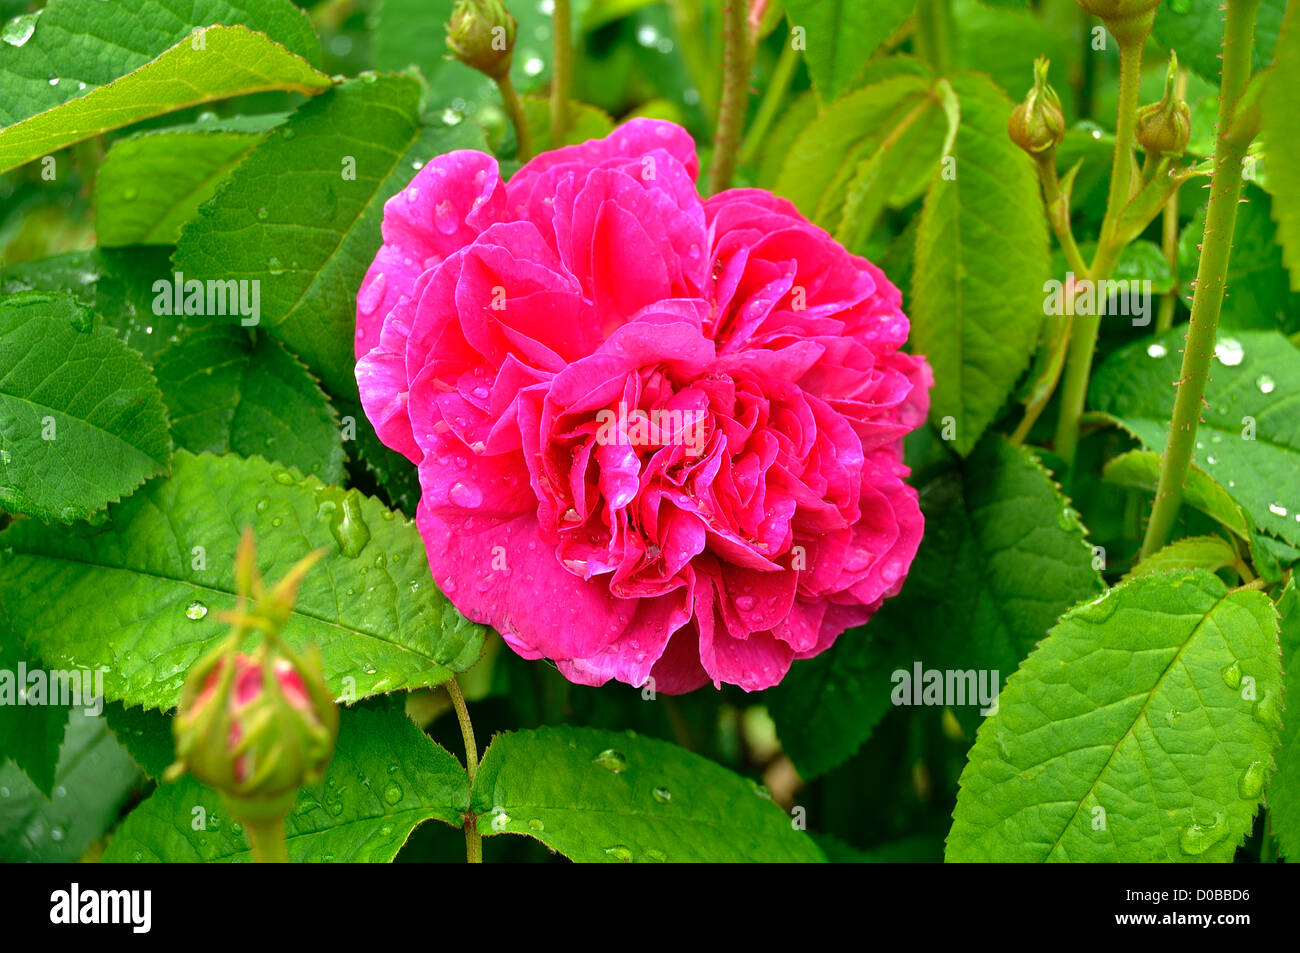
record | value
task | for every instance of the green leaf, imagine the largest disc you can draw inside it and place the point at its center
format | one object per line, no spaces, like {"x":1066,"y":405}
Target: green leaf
{"x":79,"y":43}
{"x":1210,"y":553}
{"x":386,"y":778}
{"x":1194,"y":29}
{"x":1141,"y":729}
{"x":981,"y":264}
{"x":233,"y":61}
{"x":412,"y":33}
{"x":1144,"y":261}
{"x":841,"y":35}
{"x":81,"y":419}
{"x":116,"y":283}
{"x":30,"y":735}
{"x":94,"y":779}
{"x":291,"y":219}
{"x":149,"y":186}
{"x":146,"y":734}
{"x":825,"y":156}
{"x":1140,"y":469}
{"x":585,"y":122}
{"x":1003,"y":557}
{"x":230,"y":394}
{"x":142,"y":594}
{"x":1284,"y":788}
{"x":1259,"y":295}
{"x":1281,"y":140}
{"x":601,"y":796}
{"x":1249,"y":438}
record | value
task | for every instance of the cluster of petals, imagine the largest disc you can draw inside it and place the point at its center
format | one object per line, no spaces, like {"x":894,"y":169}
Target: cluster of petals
{"x":658,"y":436}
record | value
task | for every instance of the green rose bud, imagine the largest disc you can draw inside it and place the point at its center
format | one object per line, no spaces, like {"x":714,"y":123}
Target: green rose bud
{"x":1037,"y":125}
{"x":1129,"y":21}
{"x":1163,"y":128}
{"x":481,"y":34}
{"x":256,"y":727}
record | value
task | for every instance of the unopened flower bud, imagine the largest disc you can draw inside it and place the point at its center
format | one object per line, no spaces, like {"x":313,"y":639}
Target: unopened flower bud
{"x":481,"y":34}
{"x":1163,"y":128}
{"x":1037,"y":125}
{"x":1127,"y":20}
{"x":255,"y":728}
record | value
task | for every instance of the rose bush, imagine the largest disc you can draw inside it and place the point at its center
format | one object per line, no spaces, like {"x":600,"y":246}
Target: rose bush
{"x":501,"y":324}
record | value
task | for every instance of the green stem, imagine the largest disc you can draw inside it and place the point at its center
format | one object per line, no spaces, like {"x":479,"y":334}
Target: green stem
{"x":1216,"y":248}
{"x":515,"y":110}
{"x":737,"y":56}
{"x":1169,"y":239}
{"x":1083,"y":335}
{"x":1058,"y":213}
{"x":267,"y":840}
{"x":771,"y":102}
{"x":934,"y":34}
{"x":473,"y":839}
{"x":561,"y":71}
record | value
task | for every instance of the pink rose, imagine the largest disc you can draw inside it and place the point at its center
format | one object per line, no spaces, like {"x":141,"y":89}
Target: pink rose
{"x":657,"y":436}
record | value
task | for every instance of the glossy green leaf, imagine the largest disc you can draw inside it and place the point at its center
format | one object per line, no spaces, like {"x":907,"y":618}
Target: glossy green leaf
{"x":146,"y":734}
{"x":1249,"y":438}
{"x":981,"y":264}
{"x":301,"y":214}
{"x":30,"y":735}
{"x":1002,"y":558}
{"x":1210,"y":553}
{"x":1194,"y":29}
{"x":145,"y":590}
{"x":602,"y":796}
{"x":227,"y":393}
{"x":217,"y":63}
{"x":1284,"y":787}
{"x":1282,"y":141}
{"x":1141,"y":729}
{"x":841,"y":35}
{"x":149,"y":186}
{"x":81,"y":420}
{"x":94,"y":780}
{"x":385,"y":779}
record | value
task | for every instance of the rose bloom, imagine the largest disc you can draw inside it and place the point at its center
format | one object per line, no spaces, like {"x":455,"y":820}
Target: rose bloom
{"x":657,"y":436}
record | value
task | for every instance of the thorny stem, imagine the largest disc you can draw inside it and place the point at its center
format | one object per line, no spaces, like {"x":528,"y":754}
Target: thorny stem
{"x":561,"y":71}
{"x":1083,"y":336}
{"x":770,"y":104}
{"x":515,"y":110}
{"x":737,"y":57}
{"x":473,"y":840}
{"x":1216,"y":248}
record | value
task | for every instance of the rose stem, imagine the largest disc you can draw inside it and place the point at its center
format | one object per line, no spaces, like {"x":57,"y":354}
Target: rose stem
{"x":1083,"y":335}
{"x":1216,"y":247}
{"x":267,"y":840}
{"x":561,"y":71}
{"x":473,"y":840}
{"x":737,"y":55}
{"x":515,"y":110}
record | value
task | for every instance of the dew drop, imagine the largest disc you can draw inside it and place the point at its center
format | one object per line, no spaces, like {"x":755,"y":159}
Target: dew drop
{"x":1268,"y":711}
{"x":465,"y":495}
{"x":20,"y":29}
{"x":663,"y":795}
{"x":1265,"y":384}
{"x":1232,"y":675}
{"x":745,"y":603}
{"x":262,"y":214}
{"x":1252,"y":780}
{"x":393,"y":793}
{"x":195,"y":610}
{"x":1229,"y":352}
{"x":1157,"y":350}
{"x":620,"y":853}
{"x":274,"y":266}
{"x":371,"y":294}
{"x":612,"y":760}
{"x":536,"y":825}
{"x":54,"y":80}
{"x":1196,"y":839}
{"x":654,"y":856}
{"x":1277,"y":509}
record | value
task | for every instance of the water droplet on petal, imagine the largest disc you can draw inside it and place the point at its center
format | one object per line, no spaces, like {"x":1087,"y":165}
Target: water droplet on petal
{"x":465,"y":495}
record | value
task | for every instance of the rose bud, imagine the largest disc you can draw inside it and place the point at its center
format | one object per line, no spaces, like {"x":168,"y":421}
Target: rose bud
{"x":255,"y":728}
{"x":1127,"y":20}
{"x":481,"y":34}
{"x":1037,"y":125}
{"x":1163,"y":128}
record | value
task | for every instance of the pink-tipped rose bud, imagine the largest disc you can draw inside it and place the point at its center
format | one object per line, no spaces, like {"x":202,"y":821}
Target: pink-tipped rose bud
{"x":255,"y":728}
{"x":1129,"y":21}
{"x":481,"y":34}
